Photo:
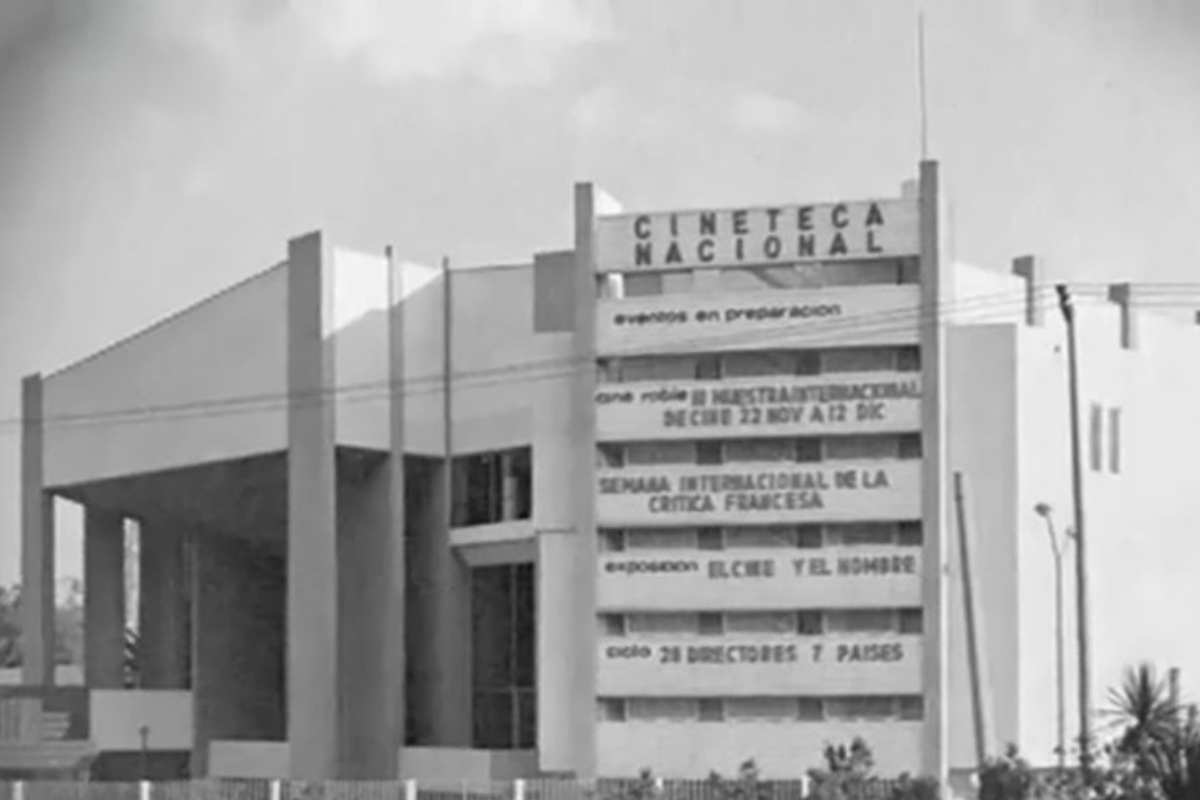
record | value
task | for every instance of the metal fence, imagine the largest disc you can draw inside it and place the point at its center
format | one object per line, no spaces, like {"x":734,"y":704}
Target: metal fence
{"x":539,"y":789}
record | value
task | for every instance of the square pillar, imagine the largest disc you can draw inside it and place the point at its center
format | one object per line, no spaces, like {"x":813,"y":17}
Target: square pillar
{"x":163,"y":609}
{"x":104,"y":598}
{"x":312,"y":568}
{"x":37,"y":544}
{"x":936,"y":291}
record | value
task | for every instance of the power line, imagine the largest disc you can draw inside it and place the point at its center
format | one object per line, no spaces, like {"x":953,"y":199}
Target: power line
{"x":876,"y":324}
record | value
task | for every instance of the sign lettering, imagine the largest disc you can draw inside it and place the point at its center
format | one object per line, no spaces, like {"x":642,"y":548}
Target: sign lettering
{"x":783,"y":490}
{"x":739,"y":407}
{"x":786,"y":234}
{"x":760,"y":653}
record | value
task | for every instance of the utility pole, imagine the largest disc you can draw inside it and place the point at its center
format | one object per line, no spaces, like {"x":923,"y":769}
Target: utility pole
{"x":973,"y":655}
{"x":1066,"y":306}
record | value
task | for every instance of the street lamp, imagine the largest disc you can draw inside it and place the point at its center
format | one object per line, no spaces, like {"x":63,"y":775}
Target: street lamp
{"x":1058,"y":546}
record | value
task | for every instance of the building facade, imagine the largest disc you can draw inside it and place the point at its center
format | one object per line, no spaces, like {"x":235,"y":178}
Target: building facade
{"x":676,"y":497}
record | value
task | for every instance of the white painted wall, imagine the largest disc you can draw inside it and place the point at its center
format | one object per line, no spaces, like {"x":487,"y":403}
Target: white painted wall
{"x":693,"y":750}
{"x":204,"y":385}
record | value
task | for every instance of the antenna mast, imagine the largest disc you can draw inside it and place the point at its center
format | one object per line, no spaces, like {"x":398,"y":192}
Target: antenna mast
{"x":924,"y":113}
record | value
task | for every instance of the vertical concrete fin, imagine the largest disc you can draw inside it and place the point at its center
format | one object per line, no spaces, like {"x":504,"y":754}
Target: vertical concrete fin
{"x":583,"y":485}
{"x":37,"y":542}
{"x":935,"y":290}
{"x":1123,"y":294}
{"x":1030,"y":268}
{"x":312,"y":686}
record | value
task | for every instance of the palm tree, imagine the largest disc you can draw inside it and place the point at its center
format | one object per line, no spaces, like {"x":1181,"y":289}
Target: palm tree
{"x":1143,"y":708}
{"x":1160,"y":741}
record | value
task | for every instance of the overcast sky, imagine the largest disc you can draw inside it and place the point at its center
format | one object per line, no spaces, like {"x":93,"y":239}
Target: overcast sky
{"x":153,"y":151}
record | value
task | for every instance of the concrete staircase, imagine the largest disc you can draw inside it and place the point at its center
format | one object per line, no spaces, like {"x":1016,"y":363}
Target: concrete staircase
{"x":33,"y":741}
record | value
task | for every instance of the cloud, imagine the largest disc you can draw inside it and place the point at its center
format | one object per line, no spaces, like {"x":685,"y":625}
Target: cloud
{"x":760,"y":112}
{"x":502,"y":41}
{"x":671,"y":109}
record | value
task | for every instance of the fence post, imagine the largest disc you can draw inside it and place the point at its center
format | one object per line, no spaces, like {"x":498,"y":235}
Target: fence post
{"x":143,"y":790}
{"x":658,"y":785}
{"x":805,"y":785}
{"x":519,"y":789}
{"x":18,"y":792}
{"x":276,"y":790}
{"x":410,"y":789}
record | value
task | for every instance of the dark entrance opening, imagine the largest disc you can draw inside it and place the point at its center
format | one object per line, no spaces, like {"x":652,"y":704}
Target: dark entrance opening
{"x":503,"y":654}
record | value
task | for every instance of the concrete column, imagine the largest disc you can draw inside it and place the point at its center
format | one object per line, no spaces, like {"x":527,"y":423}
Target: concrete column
{"x":37,"y":544}
{"x":104,"y":598}
{"x":370,"y":626}
{"x":312,"y":599}
{"x":237,"y":651}
{"x":163,"y":612}
{"x":935,"y":292}
{"x":583,"y":482}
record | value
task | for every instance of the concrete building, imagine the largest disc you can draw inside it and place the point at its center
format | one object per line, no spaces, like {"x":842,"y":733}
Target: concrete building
{"x":676,"y":497}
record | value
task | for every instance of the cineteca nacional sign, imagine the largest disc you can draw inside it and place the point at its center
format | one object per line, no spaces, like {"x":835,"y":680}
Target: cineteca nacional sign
{"x":756,"y":236}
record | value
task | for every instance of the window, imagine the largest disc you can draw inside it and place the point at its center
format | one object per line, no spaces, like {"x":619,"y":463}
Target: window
{"x":858,"y":359}
{"x":708,"y":368}
{"x":808,"y":362}
{"x":856,"y":534}
{"x":908,"y":359}
{"x":1114,"y":441}
{"x":612,"y":541}
{"x":911,"y":708}
{"x":647,"y":453}
{"x":710,"y":539}
{"x":774,"y":622}
{"x":660,"y":709}
{"x":669,"y":624}
{"x":860,"y":708}
{"x":810,"y":623}
{"x":711,"y":625}
{"x":649,"y":284}
{"x":610,"y":456}
{"x":612,"y":624}
{"x":750,"y":365}
{"x":753,"y":709}
{"x":852,"y":448}
{"x":760,"y":450}
{"x":711,"y":710}
{"x":811,"y":709}
{"x":808,"y":451}
{"x":657,"y":368}
{"x":610,"y":710}
{"x":643,"y":284}
{"x":911,"y":620}
{"x":860,"y":621}
{"x":810,"y":536}
{"x":759,"y":537}
{"x":910,"y":446}
{"x":708,"y":453}
{"x":661,"y":539}
{"x":910,"y":534}
{"x":1096,"y":437}
{"x":492,"y":487}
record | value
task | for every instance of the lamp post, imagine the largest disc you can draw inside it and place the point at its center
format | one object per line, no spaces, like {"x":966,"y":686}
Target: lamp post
{"x":1057,"y":547}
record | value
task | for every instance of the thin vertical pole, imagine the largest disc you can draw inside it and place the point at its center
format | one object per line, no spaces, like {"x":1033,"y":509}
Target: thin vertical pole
{"x":1060,"y":657}
{"x":980,"y":724}
{"x":447,"y":389}
{"x":1085,"y":726}
{"x":924,"y":113}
